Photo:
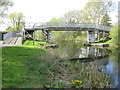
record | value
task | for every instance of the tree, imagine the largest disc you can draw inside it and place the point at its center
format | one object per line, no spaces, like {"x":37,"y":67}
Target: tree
{"x":71,"y":17}
{"x":106,"y":20}
{"x":13,"y":17}
{"x":114,"y":35}
{"x":17,"y":19}
{"x":96,"y":10}
{"x":55,"y":20}
{"x":4,"y":6}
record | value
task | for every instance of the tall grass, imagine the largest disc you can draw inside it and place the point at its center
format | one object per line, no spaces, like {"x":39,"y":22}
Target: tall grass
{"x":31,"y":66}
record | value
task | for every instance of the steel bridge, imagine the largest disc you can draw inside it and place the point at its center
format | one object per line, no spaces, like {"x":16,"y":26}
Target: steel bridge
{"x":48,"y":27}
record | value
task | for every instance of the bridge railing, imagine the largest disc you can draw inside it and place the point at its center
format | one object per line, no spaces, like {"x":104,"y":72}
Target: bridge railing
{"x":52,"y":24}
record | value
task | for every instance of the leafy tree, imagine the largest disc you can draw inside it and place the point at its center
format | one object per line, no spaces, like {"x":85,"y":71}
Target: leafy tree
{"x":55,"y":20}
{"x":71,"y":17}
{"x":96,"y":10}
{"x":114,"y":35}
{"x":106,"y":20}
{"x":93,"y":12}
{"x":17,"y":19}
{"x":83,"y":18}
{"x":4,"y":6}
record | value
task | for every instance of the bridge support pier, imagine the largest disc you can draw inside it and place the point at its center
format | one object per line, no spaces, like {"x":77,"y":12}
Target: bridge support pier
{"x":98,"y":36}
{"x":91,"y":36}
{"x":103,"y":35}
{"x":34,"y":35}
{"x":91,"y":52}
{"x":49,"y":36}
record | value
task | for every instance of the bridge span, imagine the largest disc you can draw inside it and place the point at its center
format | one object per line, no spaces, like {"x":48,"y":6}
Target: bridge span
{"x":48,"y":27}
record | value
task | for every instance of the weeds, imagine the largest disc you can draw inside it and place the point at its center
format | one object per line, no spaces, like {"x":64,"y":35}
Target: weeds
{"x":36,"y":67}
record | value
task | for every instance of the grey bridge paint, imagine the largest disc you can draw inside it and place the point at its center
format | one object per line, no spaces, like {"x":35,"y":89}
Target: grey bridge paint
{"x":50,"y":26}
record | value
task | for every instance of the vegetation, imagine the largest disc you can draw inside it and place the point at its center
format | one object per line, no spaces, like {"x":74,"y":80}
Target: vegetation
{"x":35,"y":43}
{"x":4,"y":6}
{"x":17,"y":19}
{"x":106,"y":20}
{"x":31,"y":66}
{"x":91,"y":14}
{"x":18,"y":64}
{"x":114,"y":34}
{"x":95,"y":12}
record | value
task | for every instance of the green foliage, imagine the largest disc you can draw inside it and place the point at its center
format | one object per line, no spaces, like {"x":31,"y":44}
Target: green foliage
{"x":92,"y":13}
{"x":40,"y":35}
{"x":58,"y":36}
{"x":95,"y":12}
{"x":31,"y":66}
{"x":34,"y":43}
{"x":106,"y":20}
{"x":55,"y":20}
{"x":114,"y":34}
{"x":71,"y":17}
{"x":83,"y":18}
{"x":4,"y":5}
{"x":17,"y":65}
{"x":17,"y":19}
{"x":59,"y":84}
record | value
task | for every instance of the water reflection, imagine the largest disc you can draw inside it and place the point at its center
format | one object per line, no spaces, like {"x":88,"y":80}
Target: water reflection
{"x":100,"y":56}
{"x":112,"y":69}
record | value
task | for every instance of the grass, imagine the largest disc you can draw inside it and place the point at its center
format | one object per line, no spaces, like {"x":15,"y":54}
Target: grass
{"x":19,"y":65}
{"x":32,"y":66}
{"x":106,"y":42}
{"x":23,"y":66}
{"x":35,"y":43}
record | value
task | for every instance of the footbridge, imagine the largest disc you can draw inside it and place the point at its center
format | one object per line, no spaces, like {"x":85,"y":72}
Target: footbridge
{"x":48,"y":27}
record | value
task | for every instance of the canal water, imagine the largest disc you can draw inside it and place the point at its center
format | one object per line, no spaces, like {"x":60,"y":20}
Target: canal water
{"x":106,"y":60}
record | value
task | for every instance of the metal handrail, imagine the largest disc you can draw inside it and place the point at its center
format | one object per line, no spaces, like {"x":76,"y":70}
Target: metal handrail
{"x":54,"y":24}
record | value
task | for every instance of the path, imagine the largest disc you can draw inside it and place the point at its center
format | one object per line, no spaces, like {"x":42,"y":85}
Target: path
{"x":14,"y":41}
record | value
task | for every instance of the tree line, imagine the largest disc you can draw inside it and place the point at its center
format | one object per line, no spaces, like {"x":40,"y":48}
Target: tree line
{"x":16,"y":19}
{"x":93,"y":12}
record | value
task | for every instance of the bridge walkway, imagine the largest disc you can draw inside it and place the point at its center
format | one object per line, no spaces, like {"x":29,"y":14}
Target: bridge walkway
{"x":15,"y":40}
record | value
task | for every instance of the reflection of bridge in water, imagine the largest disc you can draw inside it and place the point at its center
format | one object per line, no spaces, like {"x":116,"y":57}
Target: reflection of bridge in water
{"x":91,"y":54}
{"x":47,"y":28}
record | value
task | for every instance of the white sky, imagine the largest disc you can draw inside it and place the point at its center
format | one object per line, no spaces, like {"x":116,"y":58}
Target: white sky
{"x":44,"y":10}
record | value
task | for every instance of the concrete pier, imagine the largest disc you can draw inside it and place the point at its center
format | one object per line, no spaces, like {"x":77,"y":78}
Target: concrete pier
{"x":98,"y":36}
{"x":91,"y":52}
{"x":90,"y":28}
{"x":91,"y":36}
{"x":34,"y":35}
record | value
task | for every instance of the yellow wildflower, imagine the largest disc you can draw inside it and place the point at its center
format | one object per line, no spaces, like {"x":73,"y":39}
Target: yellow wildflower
{"x":80,"y":81}
{"x":77,"y":86}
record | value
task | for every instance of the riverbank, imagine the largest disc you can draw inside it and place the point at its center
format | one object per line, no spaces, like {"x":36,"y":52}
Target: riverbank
{"x":33,"y":66}
{"x":101,"y":44}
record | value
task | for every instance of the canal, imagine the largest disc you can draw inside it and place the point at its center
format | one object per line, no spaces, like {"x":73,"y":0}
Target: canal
{"x":90,"y":64}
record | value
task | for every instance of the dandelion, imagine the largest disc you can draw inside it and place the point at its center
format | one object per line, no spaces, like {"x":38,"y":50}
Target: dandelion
{"x":77,"y":86}
{"x":76,"y":81}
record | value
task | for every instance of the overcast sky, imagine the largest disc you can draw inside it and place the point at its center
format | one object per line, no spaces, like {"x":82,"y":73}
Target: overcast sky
{"x":44,"y":10}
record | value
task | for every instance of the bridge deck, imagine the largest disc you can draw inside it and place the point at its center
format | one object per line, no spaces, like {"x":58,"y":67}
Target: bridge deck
{"x":67,"y":27}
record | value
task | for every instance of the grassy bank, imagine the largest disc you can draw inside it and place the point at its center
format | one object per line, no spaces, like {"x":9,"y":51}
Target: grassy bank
{"x":18,"y":64}
{"x":35,"y":43}
{"x":105,"y":42}
{"x":31,"y":66}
